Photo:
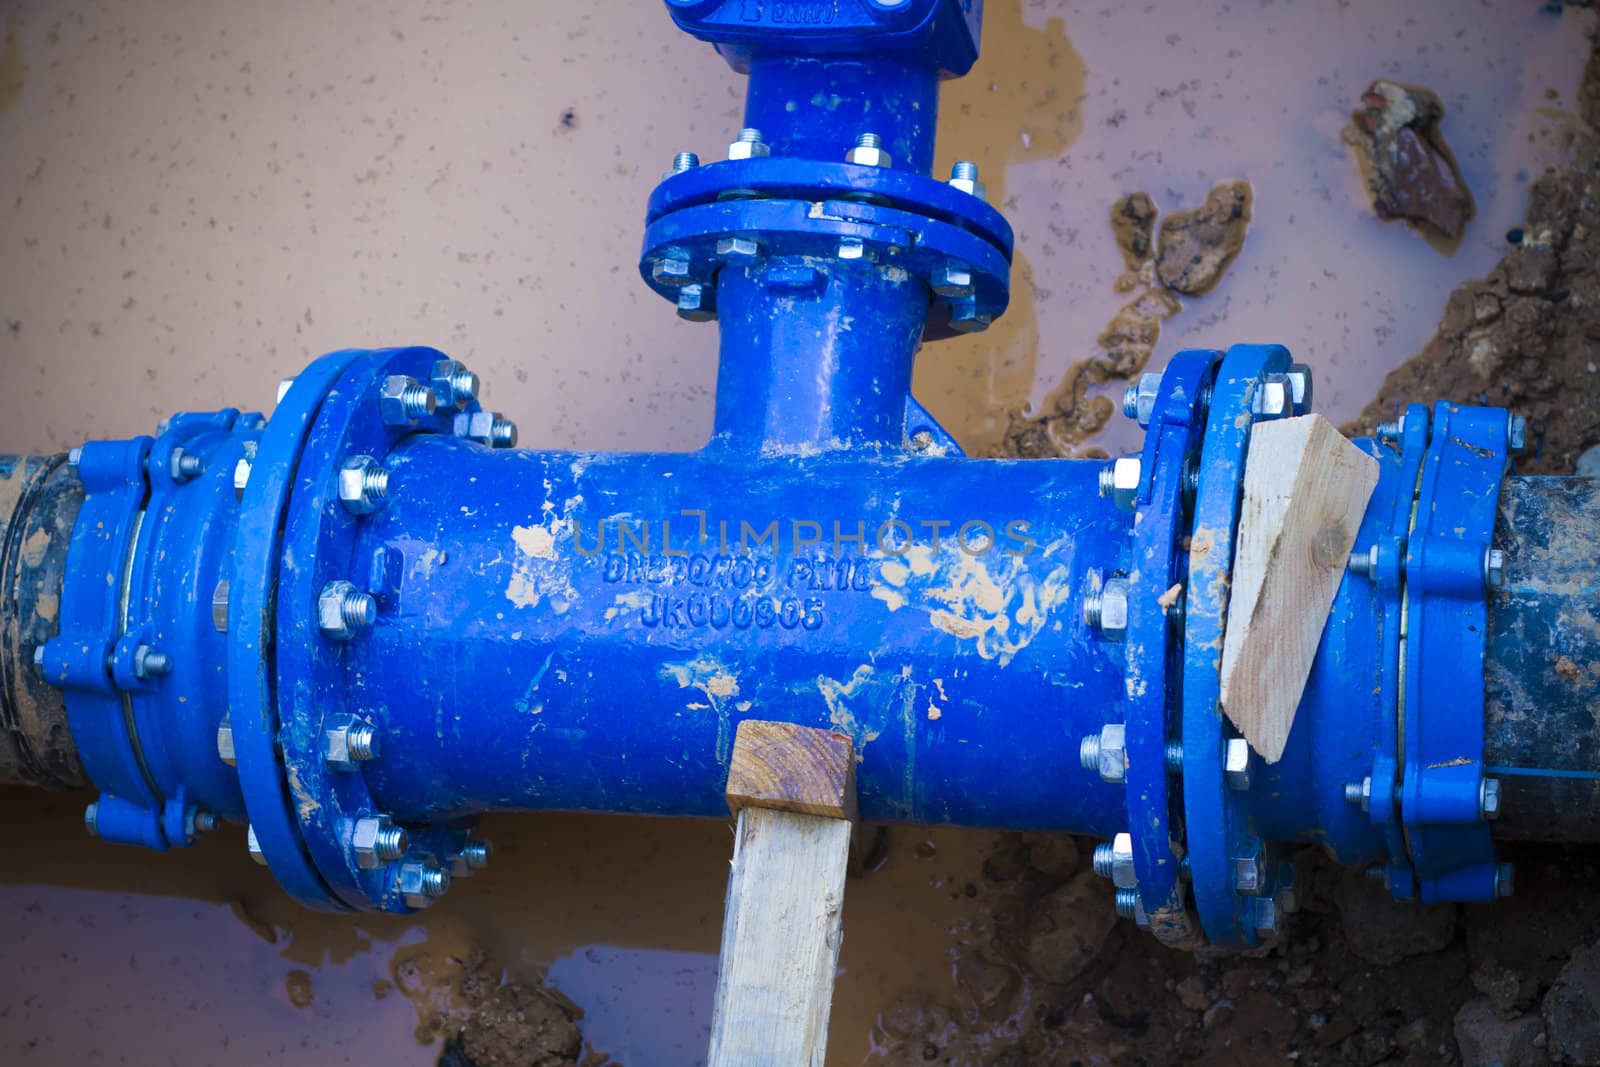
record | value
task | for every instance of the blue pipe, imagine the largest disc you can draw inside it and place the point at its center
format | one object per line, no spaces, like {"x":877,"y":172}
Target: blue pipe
{"x":363,"y":622}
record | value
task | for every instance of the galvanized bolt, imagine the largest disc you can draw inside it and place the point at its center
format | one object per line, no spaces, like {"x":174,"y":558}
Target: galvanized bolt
{"x":454,"y":386}
{"x":694,"y":305}
{"x":284,"y":385}
{"x":1390,"y":431}
{"x":1110,"y":609}
{"x":1494,"y":568}
{"x":683,"y":161}
{"x":363,"y":485}
{"x":967,"y":317}
{"x":749,"y":145}
{"x":473,"y":856}
{"x":502,"y":433}
{"x":349,"y":743}
{"x":1517,"y":433}
{"x":1129,"y":906}
{"x":403,"y":400}
{"x":225,"y":750}
{"x":1247,"y":873}
{"x":1119,"y":481}
{"x":38,"y":656}
{"x":738,"y":246}
{"x":206,"y":821}
{"x":185,"y":465}
{"x":74,"y":457}
{"x":852,"y":248}
{"x":253,"y":843}
{"x":1266,"y":915}
{"x":148,"y":663}
{"x":1236,"y":763}
{"x":219,"y":607}
{"x":1505,"y":881}
{"x":1139,"y":399}
{"x":376,"y":840}
{"x":868,"y":152}
{"x":1123,"y":875}
{"x":241,"y":476}
{"x":1489,"y":798}
{"x":1365,"y":563}
{"x":1106,"y":752}
{"x":1104,"y":857}
{"x":964,"y":176}
{"x":1174,"y":756}
{"x":420,"y":883}
{"x":344,"y":611}
{"x":671,"y":270}
{"x":91,"y":818}
{"x":953,"y":280}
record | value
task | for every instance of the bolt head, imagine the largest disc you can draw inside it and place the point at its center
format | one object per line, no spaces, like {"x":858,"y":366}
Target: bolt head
{"x":225,"y":742}
{"x":1114,"y":609}
{"x":852,"y":248}
{"x":1125,"y":474}
{"x":241,"y":476}
{"x":1123,"y":875}
{"x":1494,"y":568}
{"x":695,"y":304}
{"x":1113,"y":761}
{"x":869,"y":157}
{"x":453,"y":385}
{"x":737,"y":246}
{"x":352,"y":486}
{"x":1489,"y":798}
{"x":953,"y":281}
{"x":970,"y":186}
{"x":1517,"y":433}
{"x":219,"y":607}
{"x":331,"y":615}
{"x":749,"y":150}
{"x":673,"y":271}
{"x":420,"y":883}
{"x":392,"y":400}
{"x":1300,"y":382}
{"x":1247,"y":872}
{"x":966,"y":317}
{"x":1236,"y":763}
{"x":336,"y":745}
{"x":1140,"y":401}
{"x":1266,"y":916}
{"x":1271,"y":398}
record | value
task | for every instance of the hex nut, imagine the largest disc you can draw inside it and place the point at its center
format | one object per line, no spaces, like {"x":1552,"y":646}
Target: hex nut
{"x":474,"y":426}
{"x":453,"y":385}
{"x":1139,"y":400}
{"x":1266,"y":913}
{"x":967,"y":317}
{"x":1119,"y":481}
{"x":737,"y":246}
{"x":284,"y":385}
{"x":225,"y":741}
{"x":970,"y":186}
{"x":672,"y":271}
{"x":403,"y":400}
{"x":376,"y":840}
{"x":219,"y":607}
{"x":363,"y":485}
{"x":1114,"y":609}
{"x":953,"y":281}
{"x":420,"y":883}
{"x":253,"y":843}
{"x":1517,"y":433}
{"x":1247,"y":871}
{"x":241,"y":476}
{"x":1300,"y":382}
{"x":852,"y":248}
{"x":1489,"y":798}
{"x":349,"y":743}
{"x":749,"y":146}
{"x":695,"y":305}
{"x":1111,"y":761}
{"x":1123,"y":875}
{"x":869,"y":156}
{"x":1236,"y":763}
{"x":1271,"y":398}
{"x":344,"y":610}
{"x":1494,"y":568}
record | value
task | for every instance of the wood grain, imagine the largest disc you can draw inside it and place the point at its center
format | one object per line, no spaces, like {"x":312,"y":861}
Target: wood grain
{"x":1305,"y":490}
{"x":792,"y":768}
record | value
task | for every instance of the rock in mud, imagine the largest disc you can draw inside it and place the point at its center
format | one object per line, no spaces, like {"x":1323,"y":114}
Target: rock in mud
{"x":1487,"y":1040}
{"x":1068,"y":927}
{"x":1572,"y":1009}
{"x":1384,"y":931}
{"x":1409,"y":170}
{"x":1133,"y":220}
{"x":1197,"y":246}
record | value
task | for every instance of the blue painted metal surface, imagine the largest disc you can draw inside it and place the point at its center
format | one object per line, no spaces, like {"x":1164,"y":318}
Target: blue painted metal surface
{"x":557,"y":630}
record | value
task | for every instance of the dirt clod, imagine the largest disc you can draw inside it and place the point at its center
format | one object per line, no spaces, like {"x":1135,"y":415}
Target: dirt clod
{"x":1409,"y":169}
{"x":1198,"y":245}
{"x":1382,"y":931}
{"x":1488,"y":1040}
{"x":1572,"y":1009}
{"x":1133,"y":220}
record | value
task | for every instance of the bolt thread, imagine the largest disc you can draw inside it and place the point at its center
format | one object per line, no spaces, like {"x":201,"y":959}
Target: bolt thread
{"x":749,"y":135}
{"x":1130,"y":401}
{"x":360,"y":741}
{"x":1174,"y":755}
{"x":358,"y":609}
{"x":463,"y":386}
{"x":1376,"y":873}
{"x":965,"y":169}
{"x":502,"y":433}
{"x":156,"y":663}
{"x":374,"y":484}
{"x":684,"y":161}
{"x":435,"y":881}
{"x":91,"y":819}
{"x":1108,"y":479}
{"x":1089,"y":752}
{"x":206,"y":821}
{"x":869,"y":140}
{"x":418,"y":400}
{"x":476,"y":854}
{"x":1128,"y":903}
{"x":189,"y":464}
{"x":1104,"y":859}
{"x":1387,"y":430}
{"x":391,"y":843}
{"x":1352,"y":792}
{"x":1093,"y":604}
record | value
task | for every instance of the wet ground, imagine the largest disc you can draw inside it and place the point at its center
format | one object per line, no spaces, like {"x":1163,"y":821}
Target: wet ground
{"x":203,"y":197}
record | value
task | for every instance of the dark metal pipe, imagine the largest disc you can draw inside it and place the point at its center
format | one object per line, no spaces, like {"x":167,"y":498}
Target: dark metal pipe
{"x":1542,"y":671}
{"x":39,"y":501}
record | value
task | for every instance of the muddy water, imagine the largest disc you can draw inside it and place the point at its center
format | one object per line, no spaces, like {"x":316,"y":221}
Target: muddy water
{"x":200,"y":197}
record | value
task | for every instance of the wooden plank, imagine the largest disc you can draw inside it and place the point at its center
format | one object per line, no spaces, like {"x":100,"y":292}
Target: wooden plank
{"x":1305,"y":490}
{"x":792,"y":768}
{"x":793,"y":789}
